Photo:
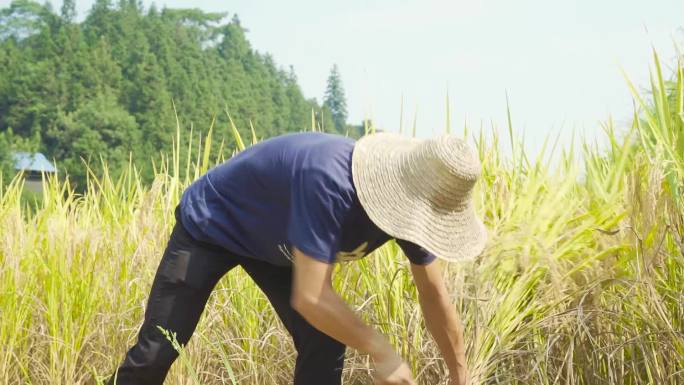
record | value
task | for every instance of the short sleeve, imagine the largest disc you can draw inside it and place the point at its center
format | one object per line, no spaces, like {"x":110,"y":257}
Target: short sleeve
{"x":416,"y":254}
{"x":318,"y":206}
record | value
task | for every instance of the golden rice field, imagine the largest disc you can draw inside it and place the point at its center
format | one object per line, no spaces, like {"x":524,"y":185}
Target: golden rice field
{"x":582,"y":281}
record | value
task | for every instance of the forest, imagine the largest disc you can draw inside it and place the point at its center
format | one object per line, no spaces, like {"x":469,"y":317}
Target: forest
{"x":114,"y":87}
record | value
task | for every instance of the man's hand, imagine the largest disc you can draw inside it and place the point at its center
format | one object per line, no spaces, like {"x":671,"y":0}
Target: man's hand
{"x":461,"y":379}
{"x":314,"y":298}
{"x":391,"y":370}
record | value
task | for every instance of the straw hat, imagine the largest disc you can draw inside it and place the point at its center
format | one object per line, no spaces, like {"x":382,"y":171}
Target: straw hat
{"x":420,"y":191}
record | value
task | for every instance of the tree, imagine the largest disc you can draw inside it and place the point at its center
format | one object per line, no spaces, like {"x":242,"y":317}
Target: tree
{"x":23,"y":18}
{"x":6,"y":169}
{"x":104,"y":87}
{"x":68,"y":11}
{"x":99,"y":129}
{"x":335,"y":100}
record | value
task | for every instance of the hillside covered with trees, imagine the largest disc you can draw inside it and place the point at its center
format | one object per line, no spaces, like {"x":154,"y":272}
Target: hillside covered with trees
{"x":106,"y":86}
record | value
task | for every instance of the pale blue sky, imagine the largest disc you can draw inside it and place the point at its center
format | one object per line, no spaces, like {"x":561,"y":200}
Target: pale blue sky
{"x":559,"y":61}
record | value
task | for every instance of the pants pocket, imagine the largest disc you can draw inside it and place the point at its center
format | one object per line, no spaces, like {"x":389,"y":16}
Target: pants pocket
{"x":184,"y":262}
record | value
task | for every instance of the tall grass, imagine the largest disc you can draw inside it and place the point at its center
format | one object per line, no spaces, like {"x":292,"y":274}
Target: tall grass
{"x":582,"y":281}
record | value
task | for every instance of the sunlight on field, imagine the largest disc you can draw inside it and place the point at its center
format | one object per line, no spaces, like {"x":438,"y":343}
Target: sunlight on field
{"x":582,"y":281}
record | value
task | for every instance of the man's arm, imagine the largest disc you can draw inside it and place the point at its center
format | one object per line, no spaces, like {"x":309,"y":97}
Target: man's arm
{"x":314,"y":298}
{"x":441,"y":319}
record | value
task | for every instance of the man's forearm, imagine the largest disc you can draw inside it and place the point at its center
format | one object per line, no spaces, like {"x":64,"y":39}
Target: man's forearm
{"x":314,"y":298}
{"x":331,"y":315}
{"x":443,"y":323}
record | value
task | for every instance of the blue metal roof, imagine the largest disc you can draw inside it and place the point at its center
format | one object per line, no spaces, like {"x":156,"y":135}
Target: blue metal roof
{"x":32,"y":162}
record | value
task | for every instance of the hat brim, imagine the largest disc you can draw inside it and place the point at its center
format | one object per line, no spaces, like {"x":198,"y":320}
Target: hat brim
{"x":393,"y":204}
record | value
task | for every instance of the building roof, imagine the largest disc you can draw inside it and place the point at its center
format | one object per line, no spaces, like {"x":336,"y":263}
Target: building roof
{"x":32,"y":162}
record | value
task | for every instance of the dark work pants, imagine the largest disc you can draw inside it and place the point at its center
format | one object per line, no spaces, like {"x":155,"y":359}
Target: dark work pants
{"x":186,"y":275}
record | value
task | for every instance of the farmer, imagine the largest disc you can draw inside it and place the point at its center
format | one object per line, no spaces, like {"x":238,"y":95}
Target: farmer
{"x":285,"y":210}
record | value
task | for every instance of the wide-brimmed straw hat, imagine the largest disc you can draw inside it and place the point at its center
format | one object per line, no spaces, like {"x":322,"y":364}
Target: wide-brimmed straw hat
{"x":419,"y":190}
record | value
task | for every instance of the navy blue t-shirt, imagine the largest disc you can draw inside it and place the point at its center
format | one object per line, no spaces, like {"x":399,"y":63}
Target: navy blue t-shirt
{"x":291,"y":190}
